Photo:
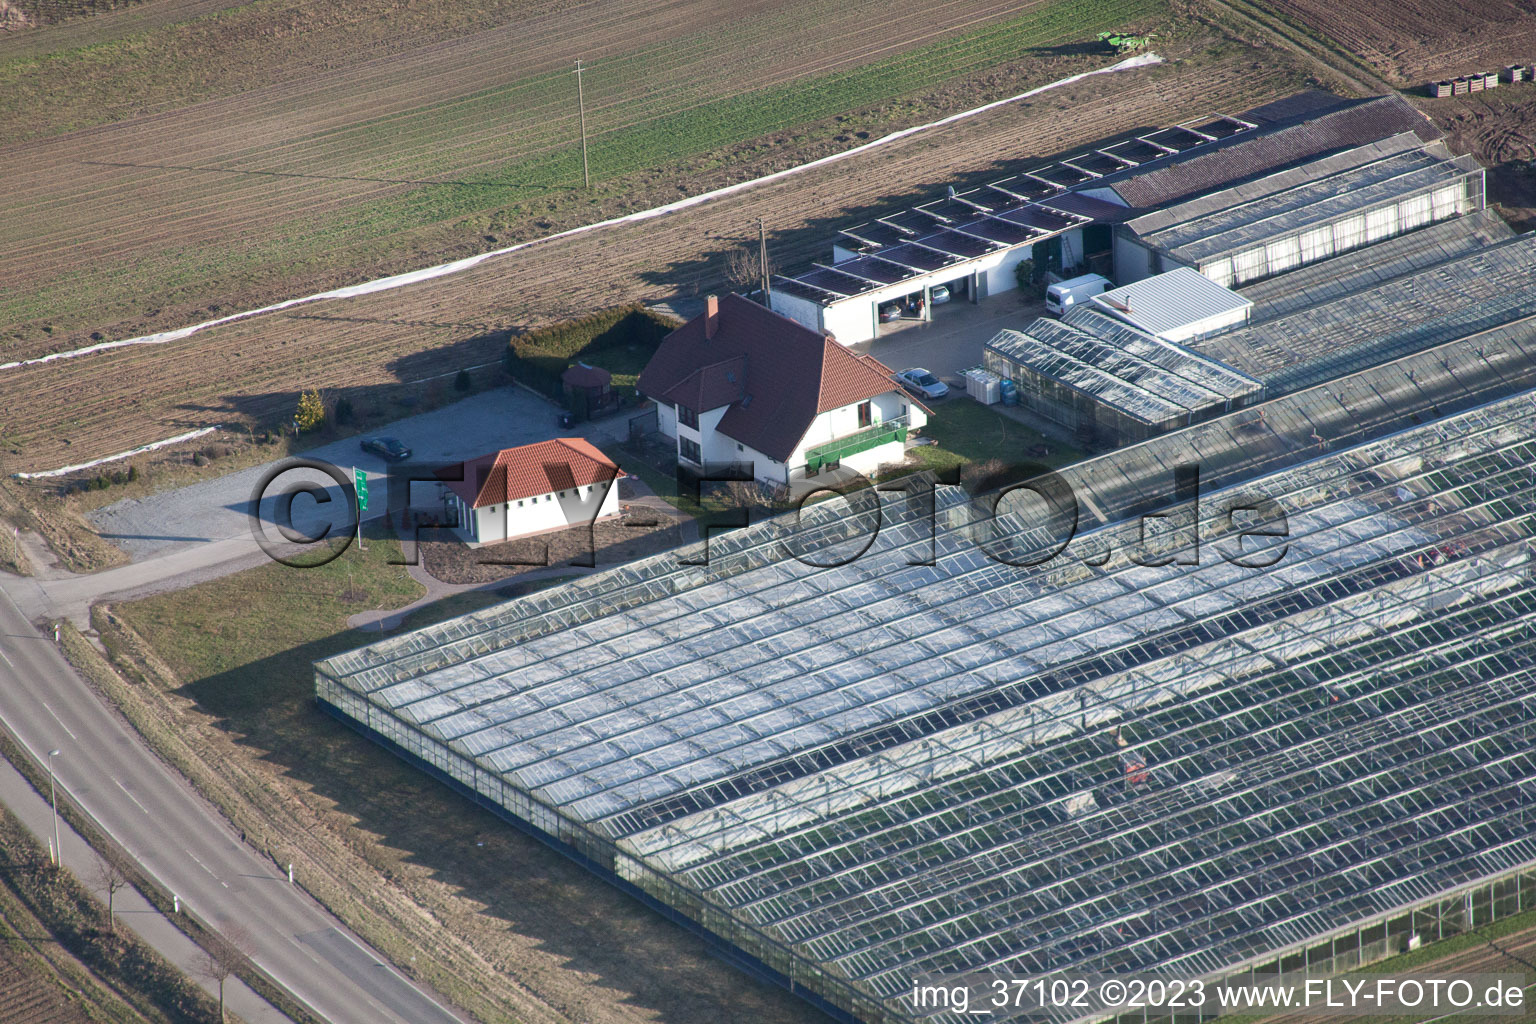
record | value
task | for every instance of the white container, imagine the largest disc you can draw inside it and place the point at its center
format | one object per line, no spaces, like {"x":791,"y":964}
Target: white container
{"x":984,"y":386}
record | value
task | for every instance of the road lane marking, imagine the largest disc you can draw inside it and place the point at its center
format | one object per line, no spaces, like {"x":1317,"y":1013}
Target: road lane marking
{"x":56,"y":718}
{"x":7,"y":659}
{"x":130,"y":796}
{"x":202,"y":865}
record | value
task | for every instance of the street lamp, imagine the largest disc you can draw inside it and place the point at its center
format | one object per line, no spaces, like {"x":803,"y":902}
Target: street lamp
{"x":53,"y":796}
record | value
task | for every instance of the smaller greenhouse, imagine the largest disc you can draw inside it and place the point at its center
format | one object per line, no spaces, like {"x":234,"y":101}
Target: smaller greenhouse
{"x":1095,"y":374}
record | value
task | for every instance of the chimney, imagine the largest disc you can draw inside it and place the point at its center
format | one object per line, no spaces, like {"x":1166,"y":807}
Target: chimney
{"x":711,"y":316}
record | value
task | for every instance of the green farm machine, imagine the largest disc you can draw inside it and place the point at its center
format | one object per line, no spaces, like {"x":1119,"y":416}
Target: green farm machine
{"x":1122,"y":42}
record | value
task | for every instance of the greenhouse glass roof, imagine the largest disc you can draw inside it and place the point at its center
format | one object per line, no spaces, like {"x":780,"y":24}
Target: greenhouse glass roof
{"x":1327,"y":280}
{"x":1135,"y":373}
{"x":1321,"y":192}
{"x":1471,"y":295}
{"x":894,"y":768}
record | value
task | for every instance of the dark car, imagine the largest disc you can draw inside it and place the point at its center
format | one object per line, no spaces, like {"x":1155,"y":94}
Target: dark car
{"x":389,"y":448}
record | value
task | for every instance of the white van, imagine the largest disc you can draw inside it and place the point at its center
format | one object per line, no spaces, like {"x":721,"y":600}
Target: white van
{"x":1063,"y":295}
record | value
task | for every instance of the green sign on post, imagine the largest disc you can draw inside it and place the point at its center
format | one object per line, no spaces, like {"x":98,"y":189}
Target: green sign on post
{"x":361,"y":480}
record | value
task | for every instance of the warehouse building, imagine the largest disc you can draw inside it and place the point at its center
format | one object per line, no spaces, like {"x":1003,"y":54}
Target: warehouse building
{"x":853,"y":776}
{"x":1112,"y":384}
{"x":903,"y":260}
{"x":1073,"y":213}
{"x":1303,"y":214}
{"x":1178,"y":305}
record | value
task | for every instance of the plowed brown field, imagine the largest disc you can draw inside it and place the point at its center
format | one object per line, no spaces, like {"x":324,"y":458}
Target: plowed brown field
{"x":347,"y":167}
{"x":29,"y":994}
{"x":67,"y":411}
{"x":1410,"y":43}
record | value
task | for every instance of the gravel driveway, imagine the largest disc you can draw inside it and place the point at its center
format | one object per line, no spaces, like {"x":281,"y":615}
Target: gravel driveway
{"x":216,"y":510}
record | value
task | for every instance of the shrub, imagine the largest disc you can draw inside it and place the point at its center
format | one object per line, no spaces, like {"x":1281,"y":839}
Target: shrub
{"x":101,"y":483}
{"x":199,"y":459}
{"x":462,"y":381}
{"x":133,"y":473}
{"x":343,"y":411}
{"x":1024,"y":275}
{"x":311,"y":412}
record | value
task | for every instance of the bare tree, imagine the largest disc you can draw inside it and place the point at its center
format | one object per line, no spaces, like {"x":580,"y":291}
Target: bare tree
{"x":109,"y":876}
{"x":223,"y":956}
{"x":743,"y":268}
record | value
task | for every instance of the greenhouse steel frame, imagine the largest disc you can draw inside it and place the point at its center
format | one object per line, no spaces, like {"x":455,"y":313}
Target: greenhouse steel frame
{"x":1488,"y":289}
{"x":905,"y":765}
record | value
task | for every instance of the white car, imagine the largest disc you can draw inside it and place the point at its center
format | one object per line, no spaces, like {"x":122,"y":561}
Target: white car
{"x":922,"y":383}
{"x":940,"y":294}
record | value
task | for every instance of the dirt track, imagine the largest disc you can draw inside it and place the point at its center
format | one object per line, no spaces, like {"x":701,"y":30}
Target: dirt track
{"x":68,"y":411}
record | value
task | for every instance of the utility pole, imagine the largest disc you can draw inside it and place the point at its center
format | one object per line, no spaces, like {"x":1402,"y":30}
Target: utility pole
{"x":53,"y":797}
{"x":581,"y":107}
{"x":762,"y":259}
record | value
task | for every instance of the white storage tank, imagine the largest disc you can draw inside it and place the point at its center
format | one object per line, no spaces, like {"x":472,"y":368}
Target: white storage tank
{"x":984,"y":386}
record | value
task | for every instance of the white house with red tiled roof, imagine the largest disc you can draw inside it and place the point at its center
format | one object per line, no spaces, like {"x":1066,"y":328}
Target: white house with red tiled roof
{"x":531,"y":489}
{"x":743,"y":384}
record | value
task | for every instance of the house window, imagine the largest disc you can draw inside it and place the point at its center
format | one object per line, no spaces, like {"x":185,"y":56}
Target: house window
{"x":687,"y":417}
{"x":865,"y":416}
{"x":739,"y":447}
{"x":690,"y":450}
{"x":519,"y":503}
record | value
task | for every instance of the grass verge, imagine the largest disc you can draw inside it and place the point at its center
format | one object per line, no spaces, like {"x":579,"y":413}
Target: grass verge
{"x":218,"y":679}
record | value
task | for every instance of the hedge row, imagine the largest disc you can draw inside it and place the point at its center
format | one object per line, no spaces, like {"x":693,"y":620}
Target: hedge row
{"x":538,"y":357}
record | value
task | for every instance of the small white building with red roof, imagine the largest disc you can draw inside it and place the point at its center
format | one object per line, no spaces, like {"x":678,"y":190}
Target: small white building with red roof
{"x":742,"y":384}
{"x":532,"y":489}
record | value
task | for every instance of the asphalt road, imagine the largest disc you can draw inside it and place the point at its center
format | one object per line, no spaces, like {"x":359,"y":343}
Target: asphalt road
{"x":186,"y":845}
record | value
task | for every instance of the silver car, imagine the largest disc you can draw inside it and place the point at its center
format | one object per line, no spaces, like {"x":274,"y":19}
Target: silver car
{"x":922,"y":383}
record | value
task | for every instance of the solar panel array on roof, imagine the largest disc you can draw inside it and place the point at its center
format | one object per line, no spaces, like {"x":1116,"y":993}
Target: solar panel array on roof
{"x":871,"y":772}
{"x":1005,"y":213}
{"x":1305,"y":135}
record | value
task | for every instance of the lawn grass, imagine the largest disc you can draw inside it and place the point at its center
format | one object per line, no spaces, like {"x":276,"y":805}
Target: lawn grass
{"x":270,"y":615}
{"x":968,"y":432}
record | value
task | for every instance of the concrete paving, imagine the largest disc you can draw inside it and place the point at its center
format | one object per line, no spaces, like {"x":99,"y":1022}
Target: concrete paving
{"x":954,"y":339}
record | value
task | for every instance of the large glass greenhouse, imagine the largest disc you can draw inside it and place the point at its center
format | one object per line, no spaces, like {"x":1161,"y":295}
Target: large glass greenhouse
{"x":925,"y":761}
